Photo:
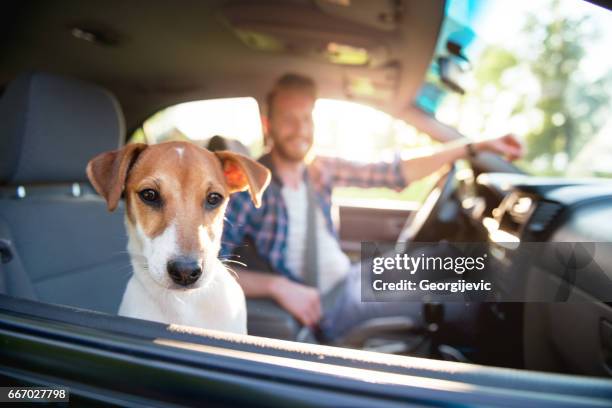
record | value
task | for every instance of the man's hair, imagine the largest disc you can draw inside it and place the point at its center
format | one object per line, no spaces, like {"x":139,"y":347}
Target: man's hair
{"x":293,"y":82}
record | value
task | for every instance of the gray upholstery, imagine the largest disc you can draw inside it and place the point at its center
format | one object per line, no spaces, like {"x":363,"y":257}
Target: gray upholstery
{"x":70,"y":250}
{"x":267,"y":319}
{"x":51,"y":125}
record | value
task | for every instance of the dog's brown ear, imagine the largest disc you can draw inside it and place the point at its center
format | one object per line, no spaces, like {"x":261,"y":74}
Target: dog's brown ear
{"x":108,"y":171}
{"x":242,"y":173}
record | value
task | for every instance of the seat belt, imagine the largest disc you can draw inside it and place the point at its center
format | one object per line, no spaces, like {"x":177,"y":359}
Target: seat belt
{"x":311,"y":272}
{"x":310,"y":266}
{"x":311,"y":255}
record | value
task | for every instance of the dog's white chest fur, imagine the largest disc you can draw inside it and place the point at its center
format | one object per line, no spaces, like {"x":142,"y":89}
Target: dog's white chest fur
{"x":220,"y":305}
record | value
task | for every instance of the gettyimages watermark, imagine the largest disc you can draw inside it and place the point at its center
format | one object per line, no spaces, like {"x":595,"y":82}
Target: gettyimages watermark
{"x":485,"y":272}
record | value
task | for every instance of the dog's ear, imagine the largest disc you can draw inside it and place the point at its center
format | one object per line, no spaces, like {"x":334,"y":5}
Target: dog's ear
{"x":242,"y":173}
{"x":108,"y":171}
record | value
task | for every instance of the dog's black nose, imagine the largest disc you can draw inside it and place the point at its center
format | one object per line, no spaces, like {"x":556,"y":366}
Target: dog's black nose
{"x":184,"y":271}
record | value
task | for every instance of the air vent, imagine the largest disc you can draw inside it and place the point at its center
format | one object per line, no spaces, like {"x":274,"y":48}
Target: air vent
{"x":542,"y":217}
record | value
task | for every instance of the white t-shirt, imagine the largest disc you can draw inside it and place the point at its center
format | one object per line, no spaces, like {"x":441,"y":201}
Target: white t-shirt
{"x":333,"y":263}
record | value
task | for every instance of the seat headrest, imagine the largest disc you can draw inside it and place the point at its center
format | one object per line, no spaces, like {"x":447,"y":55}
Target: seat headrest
{"x":222,"y":143}
{"x":50,"y":126}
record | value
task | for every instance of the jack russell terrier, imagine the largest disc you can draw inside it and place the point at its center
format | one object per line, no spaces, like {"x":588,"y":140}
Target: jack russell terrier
{"x":175,"y":198}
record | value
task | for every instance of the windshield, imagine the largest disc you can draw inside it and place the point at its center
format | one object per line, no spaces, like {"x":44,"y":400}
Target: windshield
{"x":540,"y":70}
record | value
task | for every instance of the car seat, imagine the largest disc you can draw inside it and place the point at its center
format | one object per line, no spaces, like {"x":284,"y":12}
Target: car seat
{"x":68,"y":249}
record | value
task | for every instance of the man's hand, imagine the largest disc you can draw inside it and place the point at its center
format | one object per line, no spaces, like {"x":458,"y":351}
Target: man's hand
{"x":303,"y":302}
{"x":507,"y":146}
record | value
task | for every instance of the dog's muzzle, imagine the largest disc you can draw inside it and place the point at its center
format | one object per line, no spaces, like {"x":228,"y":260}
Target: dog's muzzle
{"x":184,"y":271}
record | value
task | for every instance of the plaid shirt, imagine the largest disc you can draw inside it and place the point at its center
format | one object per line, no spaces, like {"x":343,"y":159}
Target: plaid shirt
{"x":267,"y":226}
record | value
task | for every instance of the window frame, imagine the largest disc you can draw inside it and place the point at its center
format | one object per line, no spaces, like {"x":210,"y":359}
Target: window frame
{"x":88,"y":351}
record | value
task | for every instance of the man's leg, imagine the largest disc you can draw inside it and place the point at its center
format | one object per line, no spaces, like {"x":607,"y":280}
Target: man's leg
{"x":346,"y":310}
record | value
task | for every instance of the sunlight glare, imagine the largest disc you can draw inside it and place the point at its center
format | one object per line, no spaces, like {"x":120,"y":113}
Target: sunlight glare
{"x":237,"y":118}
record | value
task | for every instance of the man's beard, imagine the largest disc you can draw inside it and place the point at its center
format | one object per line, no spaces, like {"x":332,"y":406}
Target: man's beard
{"x":290,"y":154}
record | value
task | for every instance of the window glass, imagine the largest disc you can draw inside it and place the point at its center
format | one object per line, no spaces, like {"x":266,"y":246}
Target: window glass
{"x":539,"y":69}
{"x":357,"y":132}
{"x":236,"y":118}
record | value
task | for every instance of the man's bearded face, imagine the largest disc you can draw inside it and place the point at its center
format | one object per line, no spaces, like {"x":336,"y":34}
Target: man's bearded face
{"x":290,"y":125}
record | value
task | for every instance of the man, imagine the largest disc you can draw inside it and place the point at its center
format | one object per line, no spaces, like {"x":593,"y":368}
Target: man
{"x":282,"y":230}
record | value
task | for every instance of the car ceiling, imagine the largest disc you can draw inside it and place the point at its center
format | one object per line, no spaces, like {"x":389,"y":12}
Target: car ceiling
{"x":154,"y":54}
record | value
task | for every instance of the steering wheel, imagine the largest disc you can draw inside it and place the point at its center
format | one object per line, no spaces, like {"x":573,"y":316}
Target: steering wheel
{"x":420,"y":222}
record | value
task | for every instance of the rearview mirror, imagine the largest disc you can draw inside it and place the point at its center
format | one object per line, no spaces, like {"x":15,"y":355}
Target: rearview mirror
{"x":454,"y":72}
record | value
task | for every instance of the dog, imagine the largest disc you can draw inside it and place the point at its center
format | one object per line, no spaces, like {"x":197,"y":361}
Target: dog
{"x":175,"y":199}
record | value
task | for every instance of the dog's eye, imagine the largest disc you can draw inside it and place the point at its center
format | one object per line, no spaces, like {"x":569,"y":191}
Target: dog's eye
{"x":213,"y":200}
{"x":149,"y":196}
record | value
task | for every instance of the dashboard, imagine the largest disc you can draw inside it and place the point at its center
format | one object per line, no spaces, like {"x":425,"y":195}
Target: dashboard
{"x":574,"y":334}
{"x":536,"y":209}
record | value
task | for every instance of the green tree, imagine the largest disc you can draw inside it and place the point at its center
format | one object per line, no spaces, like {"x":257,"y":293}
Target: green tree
{"x":570,"y":105}
{"x":572,"y":108}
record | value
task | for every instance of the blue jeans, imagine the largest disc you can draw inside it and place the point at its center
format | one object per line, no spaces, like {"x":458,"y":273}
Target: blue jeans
{"x":346,"y":310}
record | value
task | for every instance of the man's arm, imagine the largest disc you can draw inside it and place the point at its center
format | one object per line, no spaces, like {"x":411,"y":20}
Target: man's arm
{"x":399,"y":174}
{"x":423,"y":165}
{"x":301,"y":301}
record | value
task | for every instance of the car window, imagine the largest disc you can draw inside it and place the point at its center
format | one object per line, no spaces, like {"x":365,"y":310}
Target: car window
{"x":236,"y":118}
{"x":541,"y":70}
{"x":343,"y":129}
{"x":358,"y":132}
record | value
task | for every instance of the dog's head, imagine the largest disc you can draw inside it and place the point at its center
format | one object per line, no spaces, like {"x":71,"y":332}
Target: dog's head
{"x":175,"y":196}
